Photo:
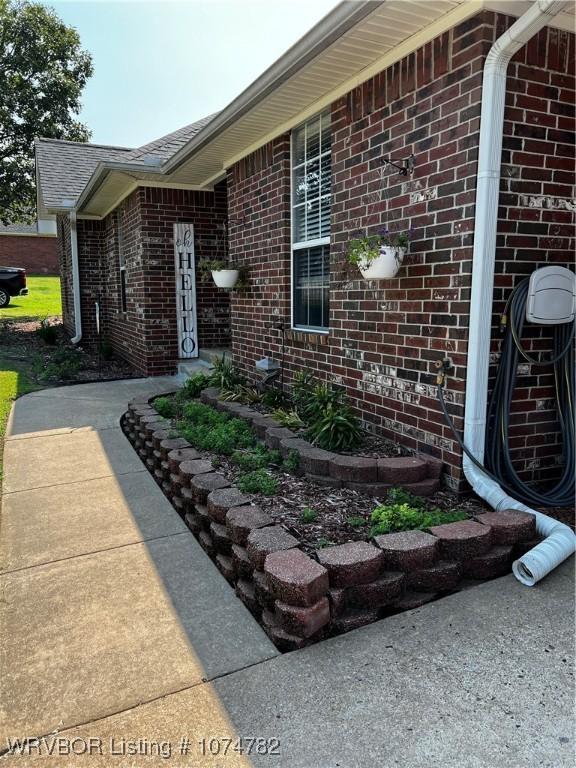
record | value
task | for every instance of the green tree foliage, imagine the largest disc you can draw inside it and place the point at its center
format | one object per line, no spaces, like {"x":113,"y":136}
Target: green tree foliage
{"x":43,"y":71}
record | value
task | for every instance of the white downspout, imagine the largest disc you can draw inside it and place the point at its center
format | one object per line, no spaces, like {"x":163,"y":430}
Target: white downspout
{"x":75,"y":279}
{"x":560,"y":541}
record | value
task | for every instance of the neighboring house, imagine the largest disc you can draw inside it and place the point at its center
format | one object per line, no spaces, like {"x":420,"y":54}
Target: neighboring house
{"x":372,"y":80}
{"x":26,"y":246}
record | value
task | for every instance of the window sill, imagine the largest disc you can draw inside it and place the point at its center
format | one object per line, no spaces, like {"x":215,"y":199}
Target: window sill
{"x":318,"y":338}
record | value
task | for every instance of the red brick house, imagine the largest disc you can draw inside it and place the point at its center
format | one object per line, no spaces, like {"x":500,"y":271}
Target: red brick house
{"x":28,"y":247}
{"x":372,"y":82}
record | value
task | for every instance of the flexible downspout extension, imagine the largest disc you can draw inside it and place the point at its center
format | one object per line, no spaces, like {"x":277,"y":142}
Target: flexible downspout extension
{"x":559,"y":540}
{"x":75,"y":278}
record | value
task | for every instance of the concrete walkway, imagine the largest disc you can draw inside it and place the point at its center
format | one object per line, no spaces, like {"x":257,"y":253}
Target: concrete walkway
{"x":116,"y":627}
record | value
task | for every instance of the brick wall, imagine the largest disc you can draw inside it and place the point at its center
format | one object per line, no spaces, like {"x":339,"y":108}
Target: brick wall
{"x":146,"y":334}
{"x":536,"y":225}
{"x":386,"y":335}
{"x":65,"y":270}
{"x":37,"y":254}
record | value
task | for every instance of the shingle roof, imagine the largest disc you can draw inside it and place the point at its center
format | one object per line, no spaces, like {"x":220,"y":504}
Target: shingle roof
{"x":168,"y":145}
{"x":65,"y":167}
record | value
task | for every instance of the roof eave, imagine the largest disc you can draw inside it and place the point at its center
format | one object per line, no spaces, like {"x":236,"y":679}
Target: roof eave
{"x":103,"y":169}
{"x":343,"y":17}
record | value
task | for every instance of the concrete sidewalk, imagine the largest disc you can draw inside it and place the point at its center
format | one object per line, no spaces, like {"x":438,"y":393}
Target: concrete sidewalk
{"x":116,"y":626}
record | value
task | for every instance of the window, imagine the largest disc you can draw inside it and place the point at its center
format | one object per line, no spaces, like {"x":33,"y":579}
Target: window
{"x":311,"y":195}
{"x":121,"y":260}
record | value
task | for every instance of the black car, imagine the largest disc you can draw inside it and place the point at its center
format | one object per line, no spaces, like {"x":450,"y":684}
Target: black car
{"x":12,"y":283}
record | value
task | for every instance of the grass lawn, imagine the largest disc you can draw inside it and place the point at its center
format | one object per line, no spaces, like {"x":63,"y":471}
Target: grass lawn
{"x":42,"y":301}
{"x":15,"y":380}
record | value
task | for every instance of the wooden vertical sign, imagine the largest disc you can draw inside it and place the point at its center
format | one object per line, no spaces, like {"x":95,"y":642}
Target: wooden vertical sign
{"x":185,"y":289}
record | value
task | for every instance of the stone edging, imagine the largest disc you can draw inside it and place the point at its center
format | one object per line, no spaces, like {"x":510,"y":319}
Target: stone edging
{"x":299,"y":599}
{"x":419,"y":474}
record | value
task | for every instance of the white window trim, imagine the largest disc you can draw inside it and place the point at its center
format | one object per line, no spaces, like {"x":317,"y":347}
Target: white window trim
{"x":296,"y":246}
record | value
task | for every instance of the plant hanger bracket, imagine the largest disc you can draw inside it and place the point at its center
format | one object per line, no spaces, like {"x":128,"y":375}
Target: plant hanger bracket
{"x":407,"y":167}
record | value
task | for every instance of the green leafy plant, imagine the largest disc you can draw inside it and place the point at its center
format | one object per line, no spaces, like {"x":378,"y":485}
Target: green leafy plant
{"x":166,"y":407}
{"x":292,"y":462}
{"x":289,"y":419}
{"x":322,"y":397}
{"x":273,"y":398}
{"x":47,"y":332}
{"x":302,"y":386}
{"x":194,"y":385}
{"x":356,"y":521}
{"x":322,"y":542}
{"x":210,"y":430}
{"x":308,"y":515}
{"x":241,"y":394}
{"x":337,"y":429}
{"x":64,"y":365}
{"x":405,"y":512}
{"x":258,"y":481}
{"x":258,"y":457}
{"x":224,"y":375}
{"x":363,"y":250}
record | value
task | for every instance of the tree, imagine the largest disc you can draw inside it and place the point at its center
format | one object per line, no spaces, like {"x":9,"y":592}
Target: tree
{"x":43,"y":71}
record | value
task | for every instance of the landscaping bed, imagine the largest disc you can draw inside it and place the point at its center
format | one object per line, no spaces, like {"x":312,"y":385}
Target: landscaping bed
{"x":307,"y":576}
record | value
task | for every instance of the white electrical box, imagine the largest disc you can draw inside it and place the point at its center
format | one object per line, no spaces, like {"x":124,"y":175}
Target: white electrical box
{"x":551,"y":296}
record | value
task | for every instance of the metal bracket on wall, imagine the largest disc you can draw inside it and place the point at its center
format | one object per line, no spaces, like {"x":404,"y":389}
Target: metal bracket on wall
{"x":407,"y":167}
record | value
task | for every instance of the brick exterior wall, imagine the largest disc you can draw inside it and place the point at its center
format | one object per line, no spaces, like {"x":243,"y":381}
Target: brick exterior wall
{"x":146,"y":334}
{"x":37,"y":254}
{"x":386,"y":335}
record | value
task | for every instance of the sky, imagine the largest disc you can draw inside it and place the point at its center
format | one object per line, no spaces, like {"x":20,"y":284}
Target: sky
{"x":162,"y":64}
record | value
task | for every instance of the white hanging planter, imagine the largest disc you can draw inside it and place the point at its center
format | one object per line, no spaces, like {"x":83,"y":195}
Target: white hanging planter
{"x":225,"y":278}
{"x":384,"y":266}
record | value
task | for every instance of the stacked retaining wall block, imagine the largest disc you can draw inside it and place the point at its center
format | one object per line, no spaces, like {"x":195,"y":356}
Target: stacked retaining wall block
{"x":300,"y":598}
{"x":419,"y":474}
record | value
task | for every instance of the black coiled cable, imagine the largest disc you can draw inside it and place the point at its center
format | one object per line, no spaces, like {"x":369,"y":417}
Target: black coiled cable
{"x":498,"y":463}
{"x":498,"y":458}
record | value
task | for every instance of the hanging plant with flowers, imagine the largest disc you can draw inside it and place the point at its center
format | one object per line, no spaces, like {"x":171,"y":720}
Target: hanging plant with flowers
{"x":380,"y":255}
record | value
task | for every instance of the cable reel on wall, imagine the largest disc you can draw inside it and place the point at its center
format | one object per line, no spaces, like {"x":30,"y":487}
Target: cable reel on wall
{"x":547,"y":297}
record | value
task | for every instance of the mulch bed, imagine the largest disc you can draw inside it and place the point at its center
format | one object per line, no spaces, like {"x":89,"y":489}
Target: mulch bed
{"x":19,"y":341}
{"x":334,"y":507}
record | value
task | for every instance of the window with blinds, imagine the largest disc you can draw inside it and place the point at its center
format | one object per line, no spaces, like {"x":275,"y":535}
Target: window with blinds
{"x":311,"y":194}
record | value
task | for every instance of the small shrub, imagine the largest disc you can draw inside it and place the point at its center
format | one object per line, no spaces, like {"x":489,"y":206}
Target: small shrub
{"x":256,"y":458}
{"x":405,"y":512}
{"x":337,"y":429}
{"x":321,"y":398}
{"x":258,"y":481}
{"x":356,"y":521}
{"x":165,"y":406}
{"x":48,"y":333}
{"x":194,"y":385}
{"x":210,"y":430}
{"x":241,"y":394}
{"x":224,"y":375}
{"x":292,"y":462}
{"x":273,"y":398}
{"x":64,"y":365}
{"x":289,"y":419}
{"x":302,"y":386}
{"x":308,"y":515}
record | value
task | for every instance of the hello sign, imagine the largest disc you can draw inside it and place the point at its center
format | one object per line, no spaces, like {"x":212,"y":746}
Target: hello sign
{"x":185,"y":289}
